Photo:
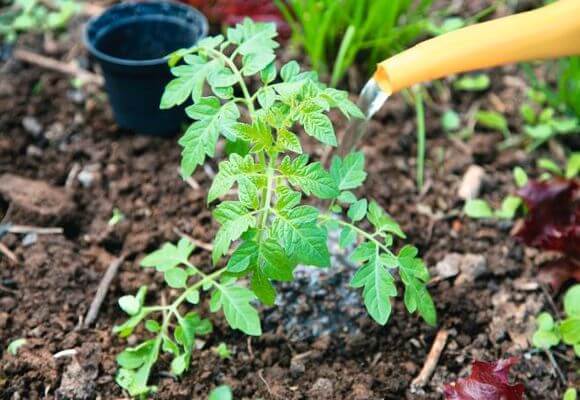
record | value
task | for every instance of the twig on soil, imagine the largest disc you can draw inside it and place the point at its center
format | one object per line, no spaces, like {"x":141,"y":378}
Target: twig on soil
{"x":557,"y":371}
{"x":102,"y":290}
{"x":432,"y":359}
{"x":65,"y":353}
{"x":261,"y":375}
{"x":198,"y":243}
{"x":58,"y":66}
{"x":546,"y":293}
{"x":35,"y":229}
{"x":250,"y":351}
{"x":8,"y":253}
{"x":70,"y":179}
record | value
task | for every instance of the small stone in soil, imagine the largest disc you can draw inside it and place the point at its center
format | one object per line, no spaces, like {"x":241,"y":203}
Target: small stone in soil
{"x":32,"y":126}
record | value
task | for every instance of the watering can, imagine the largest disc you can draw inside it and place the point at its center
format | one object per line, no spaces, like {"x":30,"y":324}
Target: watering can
{"x":548,"y":32}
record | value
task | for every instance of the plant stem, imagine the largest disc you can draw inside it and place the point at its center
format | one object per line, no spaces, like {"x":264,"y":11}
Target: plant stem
{"x":238,"y":74}
{"x":420,"y":109}
{"x":326,"y":217}
{"x":270,"y":183}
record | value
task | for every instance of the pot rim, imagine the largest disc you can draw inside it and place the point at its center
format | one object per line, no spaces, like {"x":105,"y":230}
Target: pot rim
{"x":202,"y":24}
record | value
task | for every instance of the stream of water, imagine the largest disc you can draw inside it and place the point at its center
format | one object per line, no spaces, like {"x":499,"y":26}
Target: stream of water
{"x":371,"y":99}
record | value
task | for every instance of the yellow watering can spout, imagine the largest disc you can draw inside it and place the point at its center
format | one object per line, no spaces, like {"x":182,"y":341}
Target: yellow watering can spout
{"x":548,"y":32}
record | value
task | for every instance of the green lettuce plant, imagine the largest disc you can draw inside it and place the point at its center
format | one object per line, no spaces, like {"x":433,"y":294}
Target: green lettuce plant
{"x":266,"y":224}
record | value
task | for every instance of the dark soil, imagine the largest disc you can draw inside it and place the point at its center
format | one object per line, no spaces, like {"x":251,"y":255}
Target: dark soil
{"x":318,"y":344}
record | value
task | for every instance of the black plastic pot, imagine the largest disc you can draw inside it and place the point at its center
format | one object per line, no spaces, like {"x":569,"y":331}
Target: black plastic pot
{"x":131,"y":42}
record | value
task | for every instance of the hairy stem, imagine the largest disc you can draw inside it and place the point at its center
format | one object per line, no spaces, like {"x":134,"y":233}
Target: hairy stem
{"x":372,"y":238}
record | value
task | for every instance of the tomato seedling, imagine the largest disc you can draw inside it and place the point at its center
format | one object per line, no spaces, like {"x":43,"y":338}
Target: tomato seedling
{"x":267,"y":224}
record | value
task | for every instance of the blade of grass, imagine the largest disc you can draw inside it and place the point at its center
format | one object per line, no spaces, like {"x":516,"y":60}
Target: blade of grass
{"x":340,"y":65}
{"x":420,"y":111}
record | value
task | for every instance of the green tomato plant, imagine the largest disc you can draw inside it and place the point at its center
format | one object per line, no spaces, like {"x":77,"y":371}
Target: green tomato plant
{"x":266,"y":226}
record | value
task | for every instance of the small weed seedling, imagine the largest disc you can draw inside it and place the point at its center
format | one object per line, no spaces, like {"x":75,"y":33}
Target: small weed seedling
{"x":267,"y":224}
{"x":34,"y":15}
{"x":550,"y":333}
{"x":479,"y":208}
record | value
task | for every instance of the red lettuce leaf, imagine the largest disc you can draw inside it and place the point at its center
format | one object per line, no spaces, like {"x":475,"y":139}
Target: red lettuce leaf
{"x":557,"y":272}
{"x":553,"y":218}
{"x":230,"y":12}
{"x":488,"y":381}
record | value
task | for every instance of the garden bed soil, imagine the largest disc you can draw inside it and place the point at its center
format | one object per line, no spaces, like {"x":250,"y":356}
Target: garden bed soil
{"x":65,"y":138}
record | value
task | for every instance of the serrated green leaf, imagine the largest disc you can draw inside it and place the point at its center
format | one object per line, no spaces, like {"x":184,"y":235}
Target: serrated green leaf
{"x":363,"y":252}
{"x":268,"y":74}
{"x":349,"y":172}
{"x":248,"y":193}
{"x":232,"y":170}
{"x":274,"y":262}
{"x":258,"y":134}
{"x":320,"y":127}
{"x":347,"y":197}
{"x":242,"y":257}
{"x":256,"y":62}
{"x":235,"y":219}
{"x":288,"y":141}
{"x":169,"y":255}
{"x":358,"y":210}
{"x":238,"y":311}
{"x":289,"y":71}
{"x":301,"y":238}
{"x":266,"y":98}
{"x":200,"y":139}
{"x":311,"y":178}
{"x":204,"y":108}
{"x":262,"y":288}
{"x":378,"y":285}
{"x":382,"y":221}
{"x":189,"y":81}
{"x":347,"y":237}
{"x":176,"y":277}
{"x":221,"y":78}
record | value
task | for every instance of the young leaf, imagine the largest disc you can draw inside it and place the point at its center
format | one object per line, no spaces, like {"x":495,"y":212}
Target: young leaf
{"x":382,"y":221}
{"x":245,"y":254}
{"x":176,"y":277}
{"x":262,"y":288}
{"x":289,"y":71}
{"x":232,"y":170}
{"x":358,"y":210}
{"x":237,"y":308}
{"x":129,"y":304}
{"x":235,"y":220}
{"x":349,"y":172}
{"x":572,"y":301}
{"x":378,"y":285}
{"x":319,"y":126}
{"x":476,"y":208}
{"x":311,"y":178}
{"x":222,"y":392}
{"x":301,"y":237}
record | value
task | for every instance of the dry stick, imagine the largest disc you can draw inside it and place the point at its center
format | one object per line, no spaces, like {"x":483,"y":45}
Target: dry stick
{"x":8,"y":253}
{"x":557,"y":371}
{"x":102,"y":290}
{"x":198,"y":243}
{"x":35,"y":229}
{"x":432,"y":359}
{"x":58,"y":66}
{"x":260,"y":374}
